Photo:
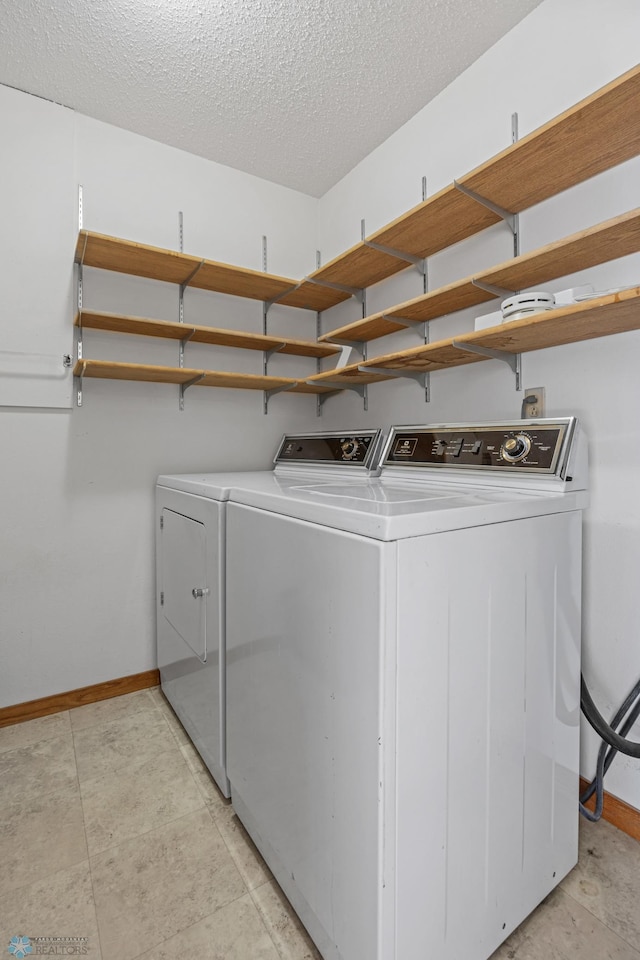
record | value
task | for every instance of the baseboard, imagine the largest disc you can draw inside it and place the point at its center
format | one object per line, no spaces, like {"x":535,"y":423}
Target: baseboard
{"x":620,"y":814}
{"x":77,"y":698}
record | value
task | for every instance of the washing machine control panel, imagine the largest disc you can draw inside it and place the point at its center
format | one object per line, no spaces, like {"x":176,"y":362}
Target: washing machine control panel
{"x":531,"y":446}
{"x":343,"y":448}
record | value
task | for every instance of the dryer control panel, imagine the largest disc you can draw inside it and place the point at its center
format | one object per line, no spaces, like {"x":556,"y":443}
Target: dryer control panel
{"x":358,"y":449}
{"x":524,"y":446}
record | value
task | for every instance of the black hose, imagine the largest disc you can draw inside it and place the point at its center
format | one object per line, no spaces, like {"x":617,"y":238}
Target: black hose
{"x":629,"y":747}
{"x":606,"y":756}
{"x":609,"y":753}
{"x":615,"y":740}
{"x":596,"y":786}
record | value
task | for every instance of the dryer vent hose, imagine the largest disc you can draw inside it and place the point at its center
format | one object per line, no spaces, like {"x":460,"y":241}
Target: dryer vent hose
{"x":613,"y":736}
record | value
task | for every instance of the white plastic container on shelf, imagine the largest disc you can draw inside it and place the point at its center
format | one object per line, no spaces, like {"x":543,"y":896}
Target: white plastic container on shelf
{"x":573,"y":295}
{"x":525,"y":304}
{"x":488,"y":320}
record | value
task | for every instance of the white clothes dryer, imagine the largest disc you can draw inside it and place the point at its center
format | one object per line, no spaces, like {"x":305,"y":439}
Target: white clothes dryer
{"x":190,"y":575}
{"x":403,"y":669}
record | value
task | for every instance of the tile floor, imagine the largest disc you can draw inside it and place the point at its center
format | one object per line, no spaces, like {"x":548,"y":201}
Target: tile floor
{"x":111,"y":829}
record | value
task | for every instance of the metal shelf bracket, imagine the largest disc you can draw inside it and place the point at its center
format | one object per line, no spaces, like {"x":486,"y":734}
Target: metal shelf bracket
{"x":357,"y":292}
{"x":492,"y":288}
{"x":78,"y":385}
{"x":418,"y":262}
{"x":287,"y":386}
{"x":323,"y":397}
{"x":183,"y":343}
{"x":269,"y":353}
{"x":513,"y":360}
{"x":267,"y":304}
{"x":404,"y":322}
{"x":185,"y":386}
{"x":358,"y":388}
{"x":185,"y":284}
{"x":511,"y":219}
{"x":78,"y":330}
{"x":267,"y":394}
{"x":506,"y":215}
{"x":183,"y":287}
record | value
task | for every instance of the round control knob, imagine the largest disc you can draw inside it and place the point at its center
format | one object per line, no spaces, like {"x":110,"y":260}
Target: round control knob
{"x":349,"y":448}
{"x":516,"y":448}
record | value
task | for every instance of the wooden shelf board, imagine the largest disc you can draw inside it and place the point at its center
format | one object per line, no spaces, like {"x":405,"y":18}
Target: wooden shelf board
{"x":303,"y":387}
{"x":456,"y":296}
{"x":243,"y":381}
{"x":313,"y":296}
{"x":156,"y":263}
{"x":591,"y":319}
{"x":594,"y":135}
{"x":108,"y":370}
{"x":600,"y":317}
{"x":143,"y":326}
{"x":360,"y":266}
{"x":600,"y":132}
{"x":607,"y":241}
{"x":349,"y":374}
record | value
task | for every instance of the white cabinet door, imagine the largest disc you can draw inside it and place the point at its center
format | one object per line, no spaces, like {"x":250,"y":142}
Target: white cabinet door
{"x":184,"y":569}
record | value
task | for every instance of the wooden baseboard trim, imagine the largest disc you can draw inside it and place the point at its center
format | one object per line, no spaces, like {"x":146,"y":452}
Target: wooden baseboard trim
{"x":78,"y":698}
{"x":615,"y":811}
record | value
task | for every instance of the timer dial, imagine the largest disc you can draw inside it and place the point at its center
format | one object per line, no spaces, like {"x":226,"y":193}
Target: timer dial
{"x":516,"y":448}
{"x":349,"y":448}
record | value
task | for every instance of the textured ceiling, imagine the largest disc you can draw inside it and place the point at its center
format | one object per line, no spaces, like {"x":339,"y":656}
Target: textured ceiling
{"x":296,"y":91}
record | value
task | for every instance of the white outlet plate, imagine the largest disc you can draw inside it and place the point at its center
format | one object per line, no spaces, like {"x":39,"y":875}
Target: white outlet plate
{"x":533,"y":403}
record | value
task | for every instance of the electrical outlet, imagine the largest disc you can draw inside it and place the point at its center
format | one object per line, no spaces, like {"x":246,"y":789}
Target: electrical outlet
{"x":533,"y":403}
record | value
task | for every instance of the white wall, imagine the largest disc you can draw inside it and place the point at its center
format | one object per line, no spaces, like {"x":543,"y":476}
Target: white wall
{"x":583,"y":44}
{"x":76,"y":485}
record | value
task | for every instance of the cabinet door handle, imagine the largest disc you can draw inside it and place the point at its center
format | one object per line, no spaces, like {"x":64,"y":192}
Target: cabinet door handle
{"x":198,"y":592}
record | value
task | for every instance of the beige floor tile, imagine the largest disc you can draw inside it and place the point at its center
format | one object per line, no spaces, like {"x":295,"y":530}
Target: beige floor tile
{"x":155,"y":886}
{"x":607,"y":878}
{"x":110,"y":747}
{"x":561,"y":929}
{"x":31,"y":731}
{"x":288,"y":934}
{"x":106,"y":711}
{"x":211,"y":793}
{"x":121,"y":806}
{"x":58,"y":906}
{"x":161,"y":703}
{"x":234,"y":932}
{"x":156,"y":695}
{"x":40,"y":835}
{"x":246,"y":856}
{"x":180,"y":734}
{"x":36,"y":770}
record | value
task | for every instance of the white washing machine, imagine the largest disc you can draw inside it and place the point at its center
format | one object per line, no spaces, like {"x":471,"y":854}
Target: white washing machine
{"x":190,"y":575}
{"x":403,"y":669}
